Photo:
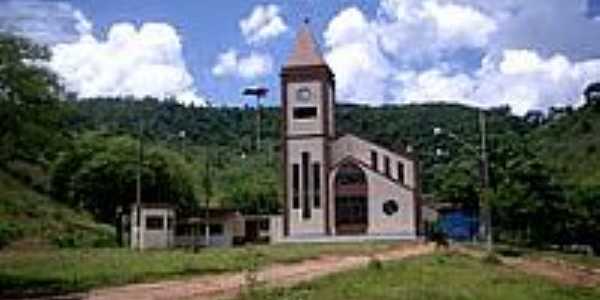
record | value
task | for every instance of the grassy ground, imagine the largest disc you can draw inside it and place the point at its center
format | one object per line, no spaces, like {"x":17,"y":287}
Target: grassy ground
{"x":31,"y":216}
{"x":578,"y":259}
{"x":588,"y":261}
{"x":59,"y":271}
{"x":432,"y":277}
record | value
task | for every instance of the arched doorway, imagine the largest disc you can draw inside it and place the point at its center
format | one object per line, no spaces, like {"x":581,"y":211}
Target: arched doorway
{"x":351,"y":200}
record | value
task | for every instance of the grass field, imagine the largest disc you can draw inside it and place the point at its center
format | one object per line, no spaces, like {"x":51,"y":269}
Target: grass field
{"x":432,"y":277}
{"x":59,"y":271}
{"x":577,"y":259}
{"x":26,"y":215}
{"x":588,"y":261}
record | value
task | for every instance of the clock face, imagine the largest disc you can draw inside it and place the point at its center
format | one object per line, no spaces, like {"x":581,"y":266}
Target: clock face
{"x":304,"y":95}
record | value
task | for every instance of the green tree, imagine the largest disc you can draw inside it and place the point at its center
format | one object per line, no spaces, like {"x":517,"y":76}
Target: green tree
{"x":30,"y":110}
{"x":99,"y":174}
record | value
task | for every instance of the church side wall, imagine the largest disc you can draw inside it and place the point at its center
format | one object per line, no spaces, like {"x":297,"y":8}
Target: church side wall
{"x":359,"y":149}
{"x":400,"y":223}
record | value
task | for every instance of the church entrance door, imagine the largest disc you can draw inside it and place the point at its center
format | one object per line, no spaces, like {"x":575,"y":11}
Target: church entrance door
{"x":351,"y":200}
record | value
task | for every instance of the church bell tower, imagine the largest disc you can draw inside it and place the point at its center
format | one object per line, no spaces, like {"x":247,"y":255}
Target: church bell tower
{"x":308,"y":97}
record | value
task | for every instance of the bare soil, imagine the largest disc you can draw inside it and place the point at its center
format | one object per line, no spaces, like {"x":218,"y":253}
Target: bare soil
{"x":230,"y":285}
{"x":556,"y":270}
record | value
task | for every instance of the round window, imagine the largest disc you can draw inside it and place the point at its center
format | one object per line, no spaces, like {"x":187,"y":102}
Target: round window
{"x":390,"y":207}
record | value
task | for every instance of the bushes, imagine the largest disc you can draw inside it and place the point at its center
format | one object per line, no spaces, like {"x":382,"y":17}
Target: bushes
{"x":26,"y":214}
{"x":84,"y":239}
{"x":9,"y":231}
{"x":99,"y":174}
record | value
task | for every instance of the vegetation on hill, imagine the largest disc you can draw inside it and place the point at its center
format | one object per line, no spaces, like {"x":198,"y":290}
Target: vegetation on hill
{"x":27,"y":214}
{"x":544,"y":172}
{"x":30,"y":118}
{"x":99,"y":173}
{"x":571,"y":146}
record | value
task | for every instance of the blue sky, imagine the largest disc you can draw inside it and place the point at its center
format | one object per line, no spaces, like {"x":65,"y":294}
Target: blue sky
{"x":529,"y":54}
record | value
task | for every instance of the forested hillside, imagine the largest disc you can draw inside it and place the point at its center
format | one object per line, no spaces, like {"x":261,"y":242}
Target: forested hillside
{"x":571,"y":145}
{"x":87,"y":153}
{"x":233,"y":130}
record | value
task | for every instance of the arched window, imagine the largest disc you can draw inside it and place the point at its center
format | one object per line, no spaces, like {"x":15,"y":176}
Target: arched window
{"x":350,"y":174}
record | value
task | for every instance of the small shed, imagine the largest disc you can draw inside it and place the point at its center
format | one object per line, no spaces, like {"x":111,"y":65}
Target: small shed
{"x":154,"y":229}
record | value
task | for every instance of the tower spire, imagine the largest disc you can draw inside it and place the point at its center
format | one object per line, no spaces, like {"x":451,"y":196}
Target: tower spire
{"x":306,"y":51}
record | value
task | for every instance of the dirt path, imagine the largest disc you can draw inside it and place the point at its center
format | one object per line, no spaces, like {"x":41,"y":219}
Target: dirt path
{"x":229,"y":285}
{"x":555,"y":270}
{"x":561,"y":272}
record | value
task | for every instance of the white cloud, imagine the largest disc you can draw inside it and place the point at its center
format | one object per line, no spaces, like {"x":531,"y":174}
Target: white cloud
{"x":355,"y":53}
{"x":145,"y":61}
{"x":404,"y":32}
{"x":43,"y":21}
{"x":548,"y":27}
{"x":230,"y":63}
{"x":467,"y":51}
{"x":264,"y":23}
{"x":416,"y":28}
{"x":519,"y":78}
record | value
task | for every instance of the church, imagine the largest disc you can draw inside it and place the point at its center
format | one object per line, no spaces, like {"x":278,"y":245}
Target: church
{"x":337,"y":187}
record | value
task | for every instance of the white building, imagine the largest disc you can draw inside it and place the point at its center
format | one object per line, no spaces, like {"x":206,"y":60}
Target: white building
{"x":156,"y":226}
{"x":337,"y":186}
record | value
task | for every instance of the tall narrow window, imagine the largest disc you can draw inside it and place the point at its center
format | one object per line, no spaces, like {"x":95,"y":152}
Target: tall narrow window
{"x":317,"y":184}
{"x":386,"y":161}
{"x":295,"y":186}
{"x":401,"y":172}
{"x":306,"y":207}
{"x":374,"y":161}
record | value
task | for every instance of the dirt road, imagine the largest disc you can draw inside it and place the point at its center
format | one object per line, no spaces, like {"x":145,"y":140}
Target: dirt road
{"x":230,"y":284}
{"x":557,"y":271}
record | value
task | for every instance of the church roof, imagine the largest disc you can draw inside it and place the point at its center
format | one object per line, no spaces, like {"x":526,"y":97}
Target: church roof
{"x":306,"y":51}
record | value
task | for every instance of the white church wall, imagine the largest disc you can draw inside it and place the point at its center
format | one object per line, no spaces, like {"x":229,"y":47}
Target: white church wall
{"x":399,"y":223}
{"x":315,"y":225}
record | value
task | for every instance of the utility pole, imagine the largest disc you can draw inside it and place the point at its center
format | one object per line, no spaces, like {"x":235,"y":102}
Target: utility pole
{"x":485,"y":183}
{"x":208,"y":195}
{"x":138,"y":186}
{"x":485,"y":205}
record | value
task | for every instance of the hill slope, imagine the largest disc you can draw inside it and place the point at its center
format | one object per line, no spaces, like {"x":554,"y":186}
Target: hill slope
{"x":28,"y":216}
{"x":571,"y":145}
{"x":393,"y":126}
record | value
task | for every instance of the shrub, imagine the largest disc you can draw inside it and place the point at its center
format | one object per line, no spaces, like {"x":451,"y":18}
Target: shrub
{"x":375,"y":263}
{"x":9,"y":232}
{"x":84,"y":239}
{"x":492,"y":259}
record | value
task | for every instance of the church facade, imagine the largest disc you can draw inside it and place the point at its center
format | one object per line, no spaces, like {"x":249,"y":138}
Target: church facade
{"x":337,"y":186}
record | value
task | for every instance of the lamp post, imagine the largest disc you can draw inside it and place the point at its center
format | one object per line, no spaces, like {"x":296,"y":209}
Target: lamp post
{"x":484,"y":174}
{"x":259,"y":92}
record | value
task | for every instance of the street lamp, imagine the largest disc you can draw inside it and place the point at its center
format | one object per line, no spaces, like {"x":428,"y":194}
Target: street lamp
{"x":485,"y":181}
{"x":259,"y":92}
